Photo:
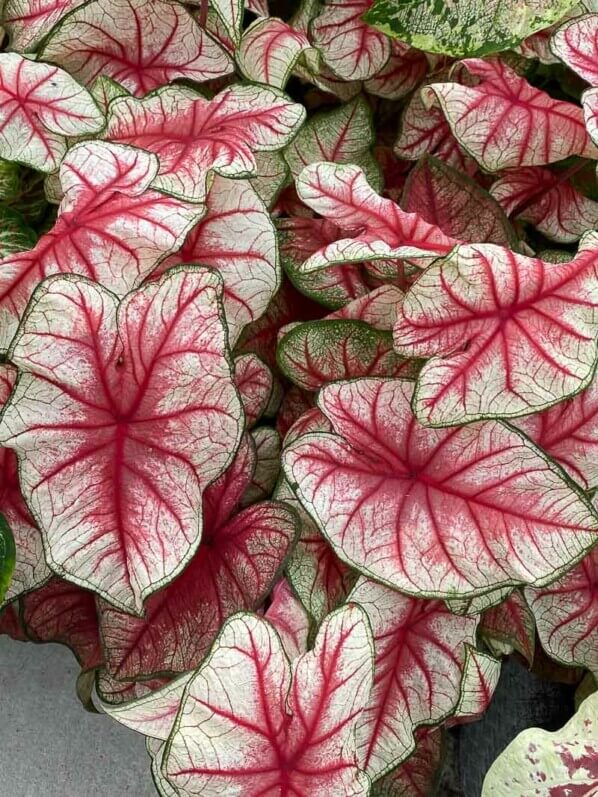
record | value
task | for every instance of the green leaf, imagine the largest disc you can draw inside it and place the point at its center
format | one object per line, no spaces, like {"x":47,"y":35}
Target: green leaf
{"x":7,"y":556}
{"x":15,"y":235}
{"x":464,"y":27}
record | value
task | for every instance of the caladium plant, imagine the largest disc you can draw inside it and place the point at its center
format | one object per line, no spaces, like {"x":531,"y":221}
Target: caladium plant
{"x":298,"y":393}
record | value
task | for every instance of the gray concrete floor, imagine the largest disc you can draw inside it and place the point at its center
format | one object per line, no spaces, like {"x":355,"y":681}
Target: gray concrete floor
{"x":50,"y":746}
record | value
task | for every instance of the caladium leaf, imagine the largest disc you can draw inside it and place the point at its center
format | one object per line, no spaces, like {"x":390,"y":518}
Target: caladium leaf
{"x":510,"y":623}
{"x":142,"y":44}
{"x":447,"y":198}
{"x":548,"y":201}
{"x":65,"y":613}
{"x":272,"y":174}
{"x":318,"y":352}
{"x":30,"y":569}
{"x":153,"y":714}
{"x":378,"y":308}
{"x":424,"y":130}
{"x":374,"y":228}
{"x":479,"y":603}
{"x":236,"y":238}
{"x":230,"y":14}
{"x":28,"y":21}
{"x":247,"y":726}
{"x":434,"y":528}
{"x":568,"y":432}
{"x":480,"y":678}
{"x":575,"y":43}
{"x":417,"y":776}
{"x":240,"y":557}
{"x":537,"y":46}
{"x":566,"y":615}
{"x":463,"y":27}
{"x":333,"y":286}
{"x":7,"y":557}
{"x":289,"y":618}
{"x":269,"y":50}
{"x":255,"y":383}
{"x":267,"y":465}
{"x":40,"y":105}
{"x":112,"y":443}
{"x":109,"y":228}
{"x":193,"y":136}
{"x":15,"y":235}
{"x":562,"y":762}
{"x":343,"y":135}
{"x":403,"y":72}
{"x":352,"y":49}
{"x":114,"y":692}
{"x":260,"y":336}
{"x":504,"y":122}
{"x":419,"y":656}
{"x":483,"y":316}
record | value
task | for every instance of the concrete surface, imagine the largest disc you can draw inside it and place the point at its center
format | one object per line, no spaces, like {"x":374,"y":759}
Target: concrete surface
{"x":50,"y":746}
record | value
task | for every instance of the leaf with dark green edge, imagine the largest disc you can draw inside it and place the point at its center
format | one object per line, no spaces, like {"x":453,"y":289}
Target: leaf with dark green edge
{"x":378,"y":308}
{"x":342,"y":135}
{"x":548,"y":201}
{"x":457,"y":204}
{"x":272,"y":174}
{"x":255,"y":382}
{"x":564,"y":762}
{"x":269,"y":51}
{"x":478,"y":683}
{"x":115,"y":692}
{"x":261,"y":335}
{"x":402,"y":73}
{"x":194,"y":137}
{"x":30,"y":570}
{"x":40,"y":107}
{"x":7,"y":556}
{"x":289,"y":617}
{"x":432,"y":512}
{"x":267,"y":465}
{"x":503,"y":121}
{"x":479,"y":603}
{"x":350,"y":48}
{"x":249,"y":723}
{"x":240,"y":558}
{"x":511,"y":624}
{"x":419,"y":658}
{"x":15,"y":235}
{"x":483,"y":315}
{"x":317,"y":576}
{"x":65,"y":613}
{"x":318,"y":352}
{"x":566,"y":614}
{"x":464,"y":27}
{"x":332,"y":286}
{"x":418,"y":775}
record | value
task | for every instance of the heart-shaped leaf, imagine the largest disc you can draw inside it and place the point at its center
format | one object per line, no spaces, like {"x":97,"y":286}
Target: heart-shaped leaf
{"x":109,"y":228}
{"x":566,"y":615}
{"x":428,"y":511}
{"x":483,"y":315}
{"x":110,"y":424}
{"x":505,"y":122}
{"x":575,"y":43}
{"x":246,"y":725}
{"x":28,"y":21}
{"x":193,"y":136}
{"x":352,"y":49}
{"x":269,"y":50}
{"x":40,"y":105}
{"x":142,"y":44}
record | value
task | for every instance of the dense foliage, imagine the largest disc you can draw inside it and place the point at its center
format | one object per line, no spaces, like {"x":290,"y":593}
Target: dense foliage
{"x":298,"y":337}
